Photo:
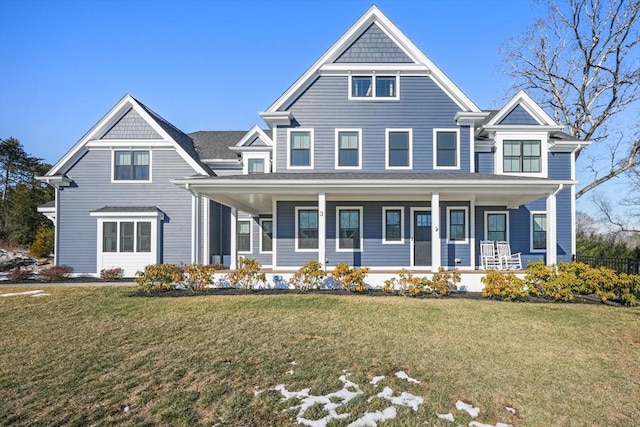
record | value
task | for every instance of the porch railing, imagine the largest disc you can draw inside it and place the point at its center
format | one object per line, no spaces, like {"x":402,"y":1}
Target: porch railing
{"x":621,"y":265}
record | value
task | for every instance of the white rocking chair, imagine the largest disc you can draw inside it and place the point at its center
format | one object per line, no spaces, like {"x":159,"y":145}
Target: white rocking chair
{"x":489,"y":257}
{"x":508,"y":260}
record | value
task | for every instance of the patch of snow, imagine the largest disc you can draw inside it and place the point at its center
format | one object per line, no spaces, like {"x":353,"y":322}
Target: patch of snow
{"x":126,"y":408}
{"x":257,"y":391}
{"x":403,"y":376}
{"x":503,"y":425}
{"x":345,"y":395}
{"x":510,"y":409}
{"x":473,"y":411}
{"x":293,"y":363}
{"x":40,"y":295}
{"x":405,"y":399}
{"x":370,"y":419}
{"x":477,"y":424}
{"x":448,"y":417}
{"x":290,"y":372}
{"x":15,"y":294}
{"x":376,"y":380}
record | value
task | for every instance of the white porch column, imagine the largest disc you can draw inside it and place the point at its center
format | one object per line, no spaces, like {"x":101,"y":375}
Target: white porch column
{"x":233,"y":262}
{"x":274,"y":232}
{"x":435,"y":231}
{"x":206,"y":223}
{"x":472,"y":231}
{"x":195,"y":228}
{"x":552,"y":234}
{"x":322,"y":229}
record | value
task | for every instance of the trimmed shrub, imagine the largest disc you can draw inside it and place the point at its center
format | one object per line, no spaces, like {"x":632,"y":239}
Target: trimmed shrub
{"x":503,"y":286}
{"x":309,"y":276}
{"x":350,"y":279}
{"x":199,"y":277}
{"x":111,"y":274}
{"x":406,"y":283}
{"x":55,"y":273}
{"x":247,"y":275}
{"x":42,"y":245}
{"x":18,"y":274}
{"x":159,"y":277}
{"x":550,"y":281}
{"x":444,"y":282}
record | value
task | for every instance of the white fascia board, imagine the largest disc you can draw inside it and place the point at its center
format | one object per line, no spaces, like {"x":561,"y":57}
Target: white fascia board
{"x":522,"y":128}
{"x":56,"y":180}
{"x":255,"y":131}
{"x":529,"y":105}
{"x":470,"y":118}
{"x":158,"y":214}
{"x":77,"y":150}
{"x":374,"y":15}
{"x":250,"y":149}
{"x":273,"y":118}
{"x":556,"y":146}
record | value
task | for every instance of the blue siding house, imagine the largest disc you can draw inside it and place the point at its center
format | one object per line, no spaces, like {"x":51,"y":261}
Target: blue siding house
{"x":372,"y":157}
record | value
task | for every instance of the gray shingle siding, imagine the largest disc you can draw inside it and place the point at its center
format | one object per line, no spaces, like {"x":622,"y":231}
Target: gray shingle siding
{"x":518,"y":116}
{"x":93,"y":190}
{"x":422,"y":106}
{"x":373,"y":46}
{"x":131,"y":126}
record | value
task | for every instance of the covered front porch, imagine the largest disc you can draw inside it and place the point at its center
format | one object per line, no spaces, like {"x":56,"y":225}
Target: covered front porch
{"x":382,"y":221}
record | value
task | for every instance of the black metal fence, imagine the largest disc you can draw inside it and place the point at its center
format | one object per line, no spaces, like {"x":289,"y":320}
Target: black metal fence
{"x":621,"y":265}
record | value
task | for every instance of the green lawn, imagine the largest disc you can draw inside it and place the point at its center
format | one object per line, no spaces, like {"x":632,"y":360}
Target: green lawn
{"x":83,"y":356}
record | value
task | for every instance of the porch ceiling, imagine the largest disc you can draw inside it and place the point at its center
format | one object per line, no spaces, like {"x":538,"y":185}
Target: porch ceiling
{"x":255,"y":193}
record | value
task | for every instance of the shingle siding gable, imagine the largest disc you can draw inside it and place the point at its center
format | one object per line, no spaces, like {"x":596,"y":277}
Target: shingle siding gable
{"x":131,"y":126}
{"x":518,"y":116}
{"x":373,"y":46}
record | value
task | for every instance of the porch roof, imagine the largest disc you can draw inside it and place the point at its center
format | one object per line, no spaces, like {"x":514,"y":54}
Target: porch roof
{"x":255,"y":193}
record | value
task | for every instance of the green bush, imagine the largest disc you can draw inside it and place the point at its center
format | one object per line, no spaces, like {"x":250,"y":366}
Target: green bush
{"x":550,"y":281}
{"x":55,"y":273}
{"x":350,"y":279}
{"x":159,"y":277}
{"x":247,"y":275}
{"x":199,"y":277}
{"x":309,"y":276}
{"x":503,"y":286}
{"x":42,"y":245}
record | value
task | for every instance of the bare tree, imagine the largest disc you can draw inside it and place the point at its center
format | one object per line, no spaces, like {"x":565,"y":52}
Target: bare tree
{"x":583,"y":63}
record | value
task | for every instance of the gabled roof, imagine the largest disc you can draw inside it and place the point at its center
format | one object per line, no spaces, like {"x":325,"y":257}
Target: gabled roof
{"x":523,"y":100}
{"x":166,"y":131}
{"x":328,"y":60}
{"x":254,"y":138}
{"x":215,"y":145}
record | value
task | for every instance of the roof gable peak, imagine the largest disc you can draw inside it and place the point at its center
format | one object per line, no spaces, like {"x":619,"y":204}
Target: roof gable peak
{"x":523,"y":99}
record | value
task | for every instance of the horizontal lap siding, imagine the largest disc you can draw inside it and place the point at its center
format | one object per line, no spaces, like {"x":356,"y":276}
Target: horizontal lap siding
{"x":375,"y":253}
{"x":324,"y":107}
{"x":560,"y":165}
{"x":484,"y":162}
{"x":93,"y":189}
{"x":563,"y":203}
{"x":286,"y":224}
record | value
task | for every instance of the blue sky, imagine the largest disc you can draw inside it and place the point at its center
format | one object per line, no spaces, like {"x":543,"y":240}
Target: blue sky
{"x":212,"y":65}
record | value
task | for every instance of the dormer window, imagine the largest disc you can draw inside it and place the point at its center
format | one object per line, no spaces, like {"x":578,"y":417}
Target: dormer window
{"x":256,"y":166}
{"x":522,"y":156}
{"x":131,"y":166}
{"x":373,"y":87}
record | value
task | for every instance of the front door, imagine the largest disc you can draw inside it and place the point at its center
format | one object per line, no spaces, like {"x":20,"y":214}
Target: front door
{"x":422,"y":238}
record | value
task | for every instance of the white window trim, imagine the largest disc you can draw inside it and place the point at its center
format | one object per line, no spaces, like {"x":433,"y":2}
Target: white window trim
{"x":384,"y":225}
{"x":311,"y":148}
{"x":373,"y":96}
{"x":250,"y":221}
{"x":130,"y":181}
{"x":386,"y":148}
{"x":532,"y":213}
{"x":246,"y":156}
{"x":305,"y":208}
{"x":528,"y":136}
{"x":272,"y":240}
{"x":486,"y":223}
{"x":466,"y":225}
{"x":360,"y":223}
{"x":337,"y":148}
{"x":435,"y":148}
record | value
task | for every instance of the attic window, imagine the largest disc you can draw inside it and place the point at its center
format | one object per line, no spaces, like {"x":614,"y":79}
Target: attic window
{"x":373,"y":87}
{"x":131,"y":166}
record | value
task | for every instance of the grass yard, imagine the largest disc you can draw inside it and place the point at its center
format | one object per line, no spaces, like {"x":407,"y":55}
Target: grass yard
{"x":83,"y":356}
